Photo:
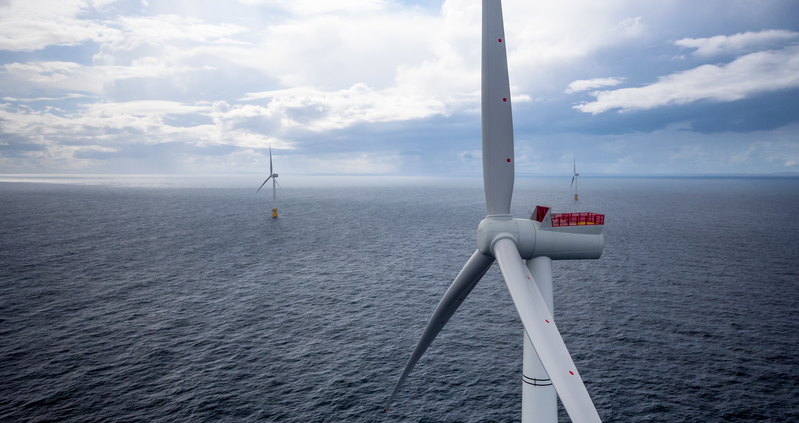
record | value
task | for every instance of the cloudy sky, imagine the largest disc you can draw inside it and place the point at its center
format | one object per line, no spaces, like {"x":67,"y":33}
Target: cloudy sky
{"x":393,"y":87}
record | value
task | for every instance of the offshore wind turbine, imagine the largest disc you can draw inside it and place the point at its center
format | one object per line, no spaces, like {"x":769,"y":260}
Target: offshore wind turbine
{"x":574,"y":179}
{"x":524,"y":249}
{"x":273,"y":177}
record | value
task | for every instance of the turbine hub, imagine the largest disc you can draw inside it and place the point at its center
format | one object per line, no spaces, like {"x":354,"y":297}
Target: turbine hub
{"x":492,"y":229}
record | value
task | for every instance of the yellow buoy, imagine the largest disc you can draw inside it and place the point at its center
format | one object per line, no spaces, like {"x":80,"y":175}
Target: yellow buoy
{"x":274,"y":212}
{"x":575,"y":196}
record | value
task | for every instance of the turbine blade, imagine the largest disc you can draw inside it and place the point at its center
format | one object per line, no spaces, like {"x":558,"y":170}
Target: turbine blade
{"x":271,"y":172}
{"x":544,"y":334}
{"x":570,"y":185}
{"x":278,"y":183}
{"x":472,"y":272}
{"x":262,"y":185}
{"x":497,"y":122}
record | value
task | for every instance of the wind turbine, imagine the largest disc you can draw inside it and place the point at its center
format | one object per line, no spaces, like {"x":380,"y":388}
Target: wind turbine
{"x":574,"y":180}
{"x":272,"y":176}
{"x":524,"y":249}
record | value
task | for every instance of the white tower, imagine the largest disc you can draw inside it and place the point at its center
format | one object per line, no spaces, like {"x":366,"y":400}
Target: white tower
{"x":574,"y":179}
{"x":273,"y":177}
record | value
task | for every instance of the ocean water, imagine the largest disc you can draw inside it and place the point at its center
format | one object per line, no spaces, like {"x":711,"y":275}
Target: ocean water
{"x":161,"y":299}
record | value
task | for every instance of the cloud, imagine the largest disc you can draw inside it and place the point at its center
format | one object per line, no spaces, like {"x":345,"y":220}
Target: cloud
{"x":28,"y":100}
{"x":145,"y":108}
{"x":173,"y":27}
{"x":366,"y":80}
{"x":71,"y":76}
{"x":631,"y":27}
{"x":34,"y":25}
{"x":320,"y":110}
{"x":587,"y":84}
{"x":148,"y":39}
{"x":142,"y":122}
{"x":310,"y":7}
{"x":734,"y":44}
{"x":746,"y":76}
{"x":545,"y":34}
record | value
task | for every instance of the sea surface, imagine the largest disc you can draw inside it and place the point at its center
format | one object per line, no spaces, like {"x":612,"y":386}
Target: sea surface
{"x":163,"y":299}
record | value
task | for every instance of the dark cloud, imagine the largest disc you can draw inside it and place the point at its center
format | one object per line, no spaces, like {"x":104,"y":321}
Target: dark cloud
{"x":428,"y":136}
{"x":13,"y":146}
{"x":765,"y":112}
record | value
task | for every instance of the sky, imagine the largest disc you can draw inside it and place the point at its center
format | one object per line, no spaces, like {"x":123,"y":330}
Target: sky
{"x":384,"y":87}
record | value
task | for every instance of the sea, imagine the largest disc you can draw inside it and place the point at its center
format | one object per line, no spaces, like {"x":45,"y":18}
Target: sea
{"x":180,"y":299}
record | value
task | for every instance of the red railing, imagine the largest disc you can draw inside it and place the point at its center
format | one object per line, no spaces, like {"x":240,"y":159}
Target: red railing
{"x":575,"y":219}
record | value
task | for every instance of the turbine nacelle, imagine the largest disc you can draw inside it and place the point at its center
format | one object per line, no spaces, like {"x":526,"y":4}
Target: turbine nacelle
{"x":575,"y":236}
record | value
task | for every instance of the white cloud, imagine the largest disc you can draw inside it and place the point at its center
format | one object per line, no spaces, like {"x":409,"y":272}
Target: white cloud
{"x":339,"y":50}
{"x":744,"y":77}
{"x":743,"y":157}
{"x":734,"y":44}
{"x":320,"y":110}
{"x":28,"y":100}
{"x":32,"y":25}
{"x":631,"y":27}
{"x":74,"y":77}
{"x":309,"y":7}
{"x":309,"y":66}
{"x":148,"y":38}
{"x":170,"y":27}
{"x":145,"y":108}
{"x":394,"y":50}
{"x":113,"y":126}
{"x":587,"y":84}
{"x":541,"y":34}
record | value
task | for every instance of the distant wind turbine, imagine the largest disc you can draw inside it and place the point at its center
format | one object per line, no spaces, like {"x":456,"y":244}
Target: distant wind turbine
{"x":524,"y":250}
{"x":574,"y":179}
{"x":273,"y":177}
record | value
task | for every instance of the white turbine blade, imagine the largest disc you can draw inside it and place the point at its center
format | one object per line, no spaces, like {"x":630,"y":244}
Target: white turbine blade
{"x":498,"y":160}
{"x":278,"y":183}
{"x":544,"y":334}
{"x":271,"y":172}
{"x":262,"y":185}
{"x":472,"y":272}
{"x":575,"y":165}
{"x":570,"y":185}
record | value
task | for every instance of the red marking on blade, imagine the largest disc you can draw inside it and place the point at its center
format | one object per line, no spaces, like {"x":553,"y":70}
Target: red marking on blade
{"x":504,"y":99}
{"x":571,"y":372}
{"x":528,"y":278}
{"x":508,"y":160}
{"x":500,"y":40}
{"x":546,"y":320}
{"x":442,"y":323}
{"x":385,"y":410}
{"x":460,"y":299}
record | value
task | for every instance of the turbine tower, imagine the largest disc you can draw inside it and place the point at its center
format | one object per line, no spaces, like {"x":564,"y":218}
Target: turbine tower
{"x":524,"y":249}
{"x":574,"y":180}
{"x":272,"y":176}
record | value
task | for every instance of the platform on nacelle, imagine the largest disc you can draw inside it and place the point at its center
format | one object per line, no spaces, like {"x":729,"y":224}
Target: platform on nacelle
{"x":568,"y":219}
